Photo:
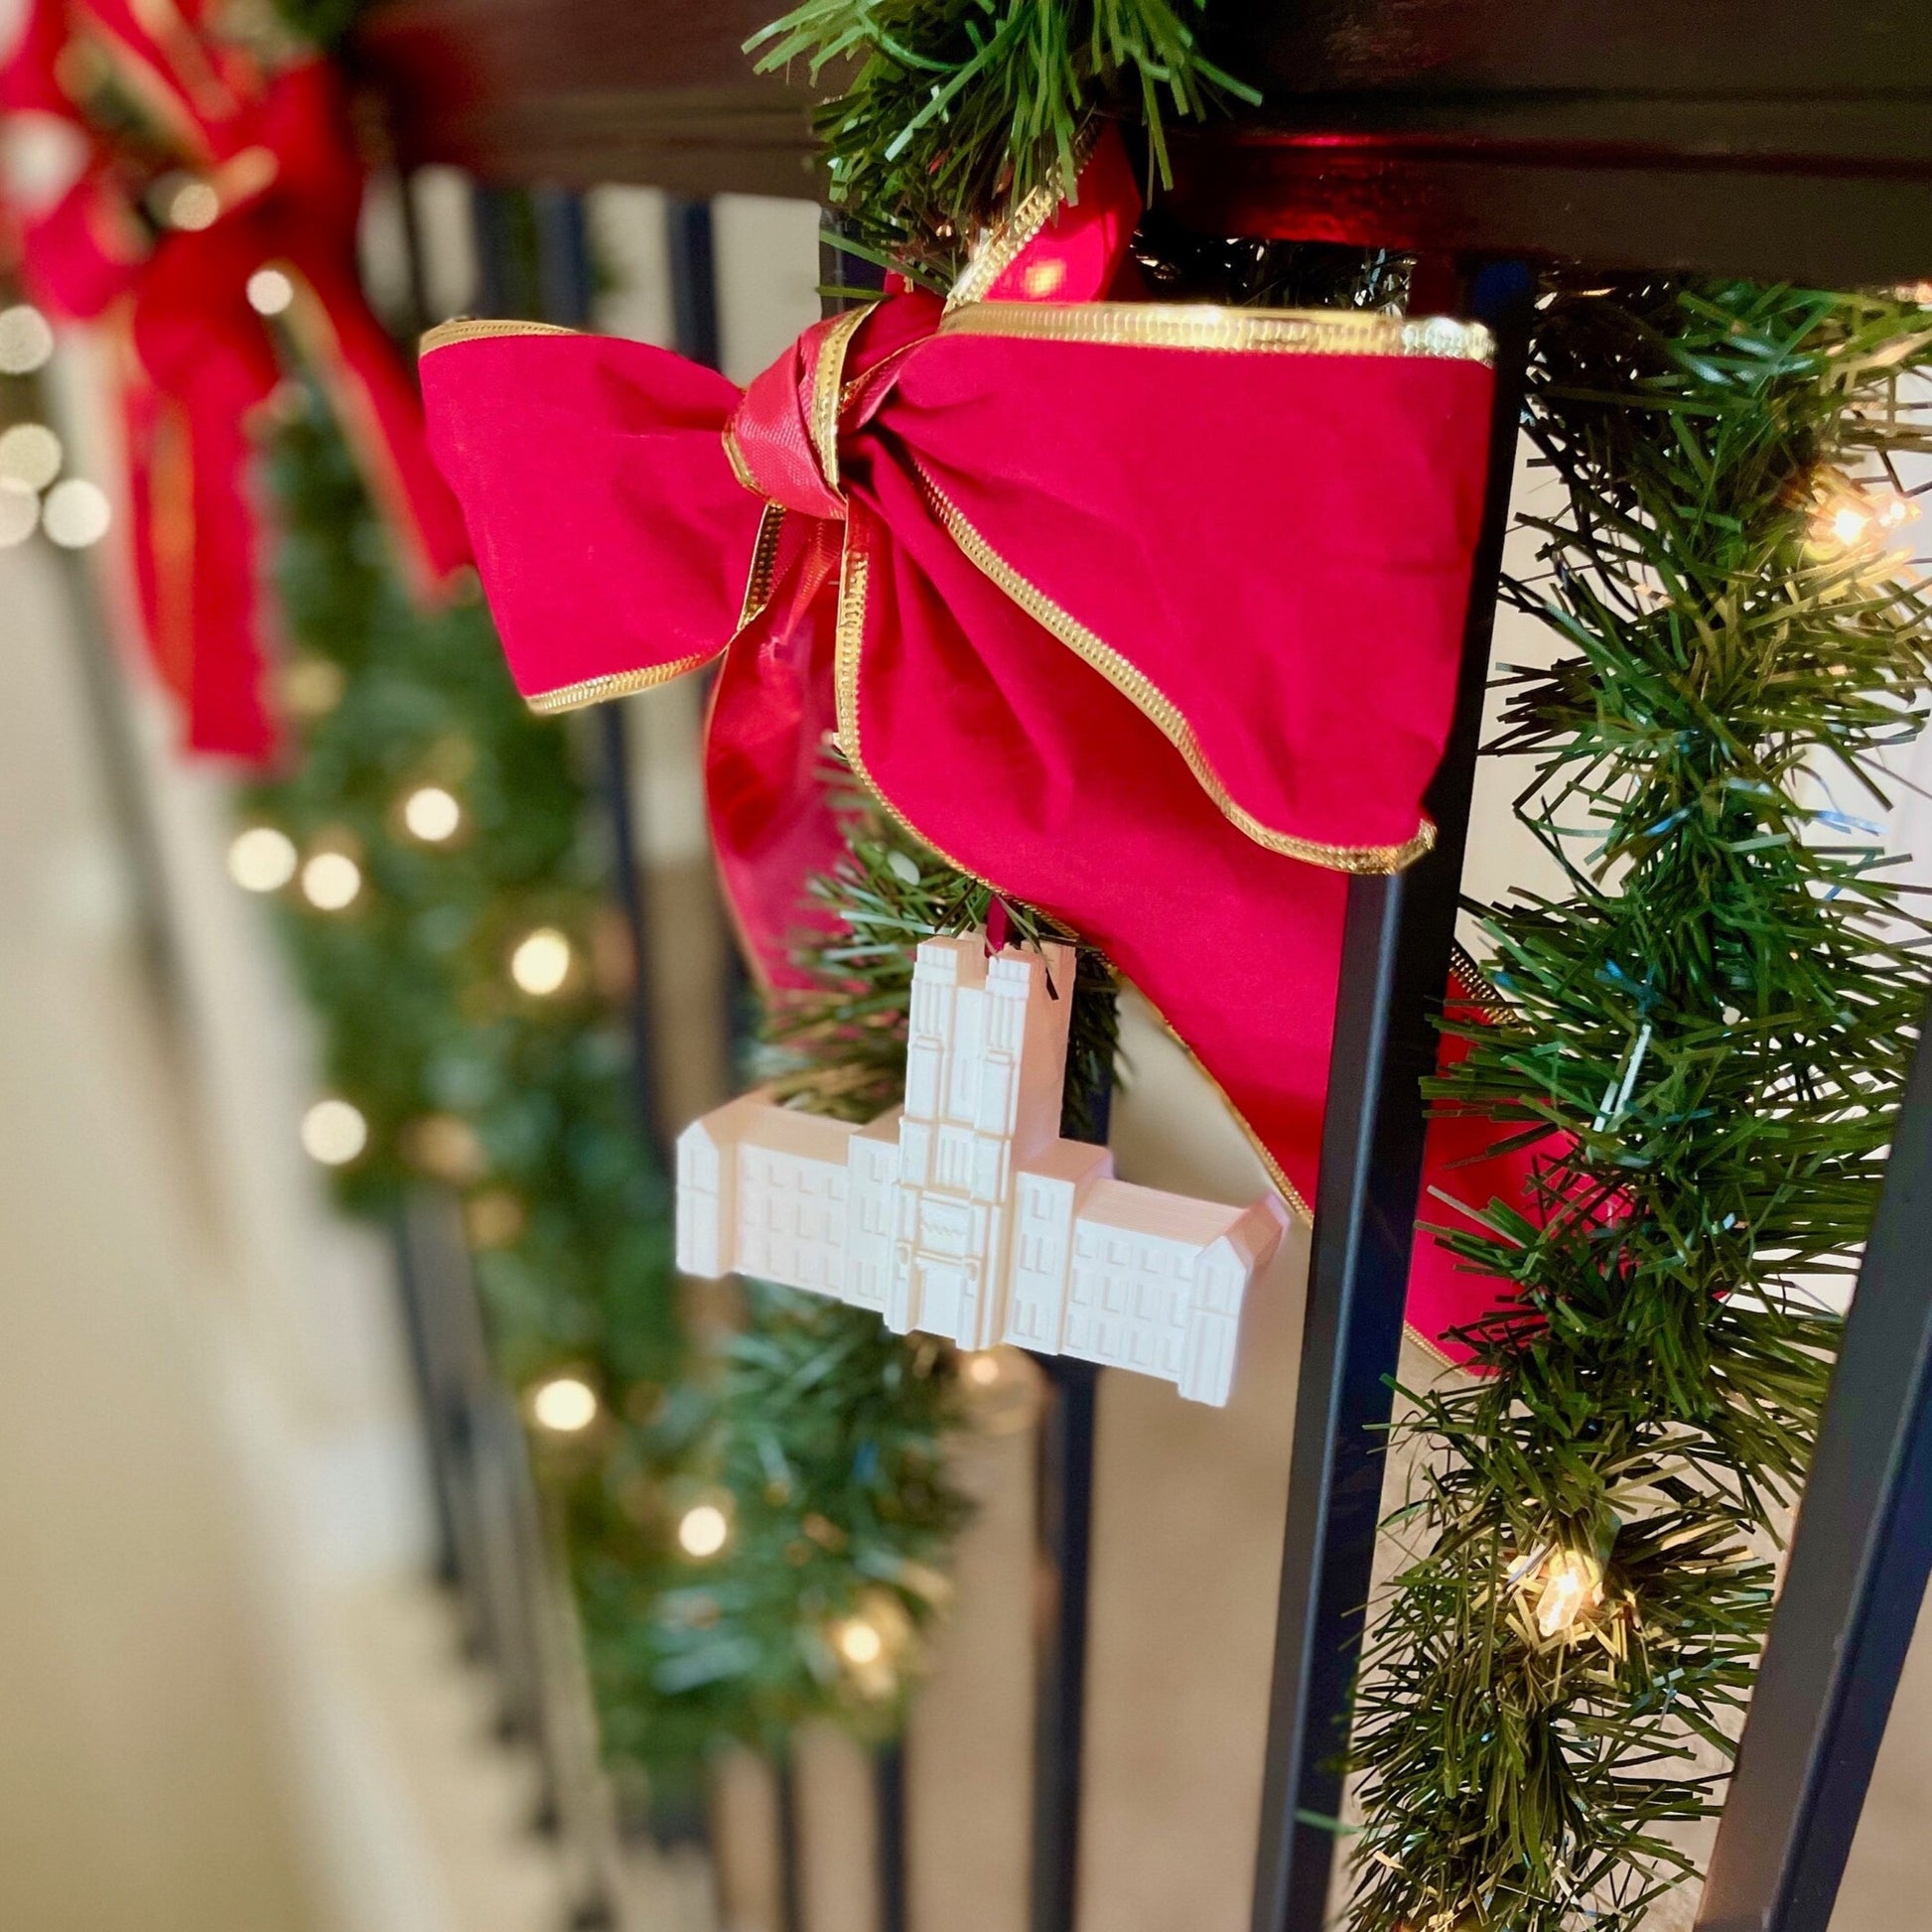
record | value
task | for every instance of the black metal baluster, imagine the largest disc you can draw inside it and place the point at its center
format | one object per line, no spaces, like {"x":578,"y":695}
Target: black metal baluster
{"x":566,"y":286}
{"x":840,"y":271}
{"x":791,"y":1913}
{"x":1394,"y":968}
{"x":694,"y":280}
{"x":438,"y":1454}
{"x":1856,"y":1581}
{"x":533,"y":258}
{"x":1063,"y":1541}
{"x":889,"y":1806}
{"x":1063,"y":1563}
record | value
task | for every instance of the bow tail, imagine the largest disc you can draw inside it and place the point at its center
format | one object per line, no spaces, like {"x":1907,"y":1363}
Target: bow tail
{"x":196,"y":560}
{"x":957,"y":711}
{"x":376,"y":405}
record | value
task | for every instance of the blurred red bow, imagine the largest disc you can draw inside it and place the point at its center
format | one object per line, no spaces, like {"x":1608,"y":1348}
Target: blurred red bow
{"x":236,"y":198}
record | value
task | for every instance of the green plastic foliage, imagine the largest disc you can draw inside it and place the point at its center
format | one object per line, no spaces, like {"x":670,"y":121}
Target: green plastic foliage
{"x":421,"y":1019}
{"x":958,"y":109}
{"x":1710,"y":1023}
{"x":823,"y":1429}
{"x":826,"y":1451}
{"x":827,"y":1446}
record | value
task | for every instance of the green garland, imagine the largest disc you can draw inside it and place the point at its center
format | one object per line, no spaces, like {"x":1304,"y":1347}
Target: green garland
{"x":822,"y":1435}
{"x":827,"y":1458}
{"x":1705,"y":1030}
{"x":1713,"y":1017}
{"x":960,"y":108}
{"x":521,"y":1102}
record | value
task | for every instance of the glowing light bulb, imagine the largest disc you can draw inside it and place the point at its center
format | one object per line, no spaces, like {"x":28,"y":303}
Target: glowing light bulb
{"x":493,"y":1219}
{"x":20,"y":512}
{"x":702,"y":1531}
{"x":1002,"y":1388}
{"x":541,"y":962}
{"x":447,"y":1147}
{"x":432,"y":814}
{"x":261,"y":859}
{"x":31,"y":454}
{"x":76,"y":513}
{"x":332,"y":881}
{"x":269,"y":291}
{"x":193,"y":206}
{"x":312,"y":687}
{"x":1852,"y":515}
{"x":563,"y":1405}
{"x":859,"y":1642}
{"x":334,"y":1132}
{"x":26,"y":339}
{"x":1573,"y":1588}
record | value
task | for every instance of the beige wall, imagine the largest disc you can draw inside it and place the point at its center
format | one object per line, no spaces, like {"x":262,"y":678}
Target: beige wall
{"x":141,"y":1783}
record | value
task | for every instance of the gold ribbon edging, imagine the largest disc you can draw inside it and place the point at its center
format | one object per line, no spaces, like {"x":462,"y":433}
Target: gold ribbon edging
{"x":1161,"y":711}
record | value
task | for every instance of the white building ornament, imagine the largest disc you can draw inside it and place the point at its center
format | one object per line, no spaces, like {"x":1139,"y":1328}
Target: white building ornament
{"x":963,"y":1213}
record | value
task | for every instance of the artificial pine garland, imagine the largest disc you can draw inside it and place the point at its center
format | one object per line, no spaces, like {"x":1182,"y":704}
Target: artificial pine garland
{"x":1706,"y":1033}
{"x":828,"y":1453}
{"x":821,"y":1435}
{"x":960,"y":108}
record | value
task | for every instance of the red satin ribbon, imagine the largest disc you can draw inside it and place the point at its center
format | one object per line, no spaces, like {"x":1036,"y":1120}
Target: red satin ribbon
{"x":278,"y":154}
{"x":1148,"y":616}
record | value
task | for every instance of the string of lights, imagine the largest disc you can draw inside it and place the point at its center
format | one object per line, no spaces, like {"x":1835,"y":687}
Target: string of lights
{"x":1704,"y":1029}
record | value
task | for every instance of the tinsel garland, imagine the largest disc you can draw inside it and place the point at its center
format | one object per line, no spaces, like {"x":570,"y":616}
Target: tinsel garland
{"x":1704,"y":1029}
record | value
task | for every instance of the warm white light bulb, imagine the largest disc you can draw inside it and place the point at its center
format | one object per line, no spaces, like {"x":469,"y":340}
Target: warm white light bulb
{"x":31,"y":454}
{"x":564,"y":1403}
{"x":702,"y":1530}
{"x":331,"y":881}
{"x":269,"y":291}
{"x":26,"y":339}
{"x":432,"y":814}
{"x":334,"y":1132}
{"x":1573,"y":1588}
{"x":193,"y":206}
{"x":1849,"y":524}
{"x":860,"y":1642}
{"x":261,"y":859}
{"x":76,"y":513}
{"x":541,"y":962}
{"x":983,"y":1368}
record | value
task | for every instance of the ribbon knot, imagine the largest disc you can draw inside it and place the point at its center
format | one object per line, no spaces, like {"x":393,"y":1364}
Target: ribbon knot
{"x":783,"y":439}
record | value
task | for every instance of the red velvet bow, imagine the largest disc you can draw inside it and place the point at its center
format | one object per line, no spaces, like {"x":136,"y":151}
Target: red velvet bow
{"x":1149,"y":616}
{"x":264,"y":176}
